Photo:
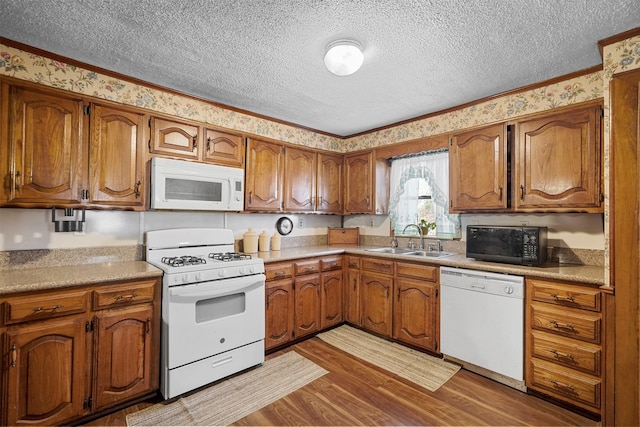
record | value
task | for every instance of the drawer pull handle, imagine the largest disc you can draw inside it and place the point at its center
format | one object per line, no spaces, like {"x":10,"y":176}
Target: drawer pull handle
{"x":558,"y":325}
{"x":567,"y":387}
{"x":559,"y":298}
{"x":308,"y":269}
{"x":14,"y":355}
{"x":559,"y":355}
{"x":148,"y":325}
{"x":279,"y":274}
{"x":52,"y":308}
{"x":125,"y":298}
{"x":353,"y":265}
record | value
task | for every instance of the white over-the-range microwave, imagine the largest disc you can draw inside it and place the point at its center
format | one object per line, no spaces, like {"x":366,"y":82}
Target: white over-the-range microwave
{"x":185,"y":185}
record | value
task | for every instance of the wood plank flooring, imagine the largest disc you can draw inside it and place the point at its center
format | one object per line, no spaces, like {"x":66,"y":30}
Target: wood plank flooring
{"x":355,"y":392}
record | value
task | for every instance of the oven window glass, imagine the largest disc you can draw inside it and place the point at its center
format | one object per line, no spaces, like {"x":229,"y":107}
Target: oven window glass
{"x":185,"y":189}
{"x":220,"y":307}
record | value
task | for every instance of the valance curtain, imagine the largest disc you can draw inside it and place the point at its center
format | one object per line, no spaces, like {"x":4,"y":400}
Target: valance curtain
{"x":406,"y":172}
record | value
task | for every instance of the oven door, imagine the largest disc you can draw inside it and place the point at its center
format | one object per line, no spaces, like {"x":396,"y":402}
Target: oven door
{"x":208,"y":318}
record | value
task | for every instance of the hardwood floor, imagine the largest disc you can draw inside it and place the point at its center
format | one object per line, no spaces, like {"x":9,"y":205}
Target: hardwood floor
{"x":357,"y":393}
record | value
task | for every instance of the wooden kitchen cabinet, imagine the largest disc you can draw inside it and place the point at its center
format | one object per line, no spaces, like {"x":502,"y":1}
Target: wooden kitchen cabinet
{"x":332,"y":310}
{"x":117,"y":157}
{"x":46,"y":162}
{"x":366,"y":184}
{"x":558,"y":162}
{"x":330,"y":183}
{"x":280,"y":304}
{"x":63,"y":151}
{"x":172,"y":137}
{"x":223,"y":148}
{"x":264,"y":175}
{"x":478,"y":169}
{"x":299,"y":180}
{"x":376,"y":288}
{"x":307,"y":305}
{"x":352,"y":290}
{"x":564,"y":342}
{"x":74,"y":352}
{"x":416,"y":307}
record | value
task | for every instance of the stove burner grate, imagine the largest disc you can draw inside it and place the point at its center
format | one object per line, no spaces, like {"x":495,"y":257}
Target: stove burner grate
{"x":228,"y":256}
{"x":181,"y":261}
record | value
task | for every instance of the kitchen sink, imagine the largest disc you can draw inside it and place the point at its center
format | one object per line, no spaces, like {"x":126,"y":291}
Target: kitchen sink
{"x":389,"y":250}
{"x":431,"y":254}
{"x":412,"y":252}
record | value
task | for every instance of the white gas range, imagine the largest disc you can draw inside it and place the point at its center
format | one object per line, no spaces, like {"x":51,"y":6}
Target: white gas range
{"x":213,"y":316}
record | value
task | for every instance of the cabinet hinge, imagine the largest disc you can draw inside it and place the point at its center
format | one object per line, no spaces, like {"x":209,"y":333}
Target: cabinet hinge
{"x":149,"y":122}
{"x":284,"y":150}
{"x":282,"y":204}
{"x":437,"y":292}
{"x":86,"y":110}
{"x":451,"y":142}
{"x":87,"y":403}
{"x":293,"y":334}
{"x":89,"y":326}
{"x":601,"y":197}
{"x":602,"y":112}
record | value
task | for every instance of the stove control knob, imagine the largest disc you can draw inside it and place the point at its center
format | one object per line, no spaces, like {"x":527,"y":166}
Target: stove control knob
{"x":185,"y":278}
{"x":241,"y":271}
{"x":221,"y":273}
{"x":198,"y":277}
{"x":508,"y":289}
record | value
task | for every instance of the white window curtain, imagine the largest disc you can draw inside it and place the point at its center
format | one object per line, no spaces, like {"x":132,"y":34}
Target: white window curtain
{"x":433,"y":167}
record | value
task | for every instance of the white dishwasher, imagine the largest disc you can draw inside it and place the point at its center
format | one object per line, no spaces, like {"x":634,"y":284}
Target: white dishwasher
{"x":482,"y":323}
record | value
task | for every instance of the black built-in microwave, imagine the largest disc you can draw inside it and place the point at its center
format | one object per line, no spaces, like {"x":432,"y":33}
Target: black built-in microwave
{"x":509,"y":244}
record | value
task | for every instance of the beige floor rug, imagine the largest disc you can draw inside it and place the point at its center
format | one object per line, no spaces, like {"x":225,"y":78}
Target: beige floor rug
{"x":420,"y":368}
{"x":234,"y":398}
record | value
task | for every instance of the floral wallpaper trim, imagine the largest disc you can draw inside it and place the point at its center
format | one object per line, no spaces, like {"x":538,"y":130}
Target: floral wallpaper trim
{"x":35,"y":68}
{"x":48,"y":72}
{"x":576,"y":90}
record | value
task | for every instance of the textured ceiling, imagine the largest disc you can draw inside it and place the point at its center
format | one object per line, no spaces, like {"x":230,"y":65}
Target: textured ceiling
{"x":266,"y":56}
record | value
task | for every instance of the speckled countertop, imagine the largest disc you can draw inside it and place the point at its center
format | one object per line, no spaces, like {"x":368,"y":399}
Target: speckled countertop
{"x":42,"y":278}
{"x":52,"y":277}
{"x":587,"y":274}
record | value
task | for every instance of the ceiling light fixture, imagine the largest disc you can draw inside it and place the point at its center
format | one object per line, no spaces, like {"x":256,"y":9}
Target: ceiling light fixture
{"x":343,"y":57}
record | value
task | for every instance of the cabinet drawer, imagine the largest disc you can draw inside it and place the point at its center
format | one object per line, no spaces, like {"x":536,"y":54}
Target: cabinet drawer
{"x":306,"y":267}
{"x":418,"y":271}
{"x":566,"y":295}
{"x":332,"y":263}
{"x":278,"y":271}
{"x":353,"y":262}
{"x":377,"y":265}
{"x":571,"y":353}
{"x":124,"y":294}
{"x":582,"y":325}
{"x":565,"y":384}
{"x":44,"y":306}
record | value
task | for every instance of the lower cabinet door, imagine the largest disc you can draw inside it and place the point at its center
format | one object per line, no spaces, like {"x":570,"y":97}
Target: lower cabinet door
{"x":279,"y":313}
{"x":46,"y":372}
{"x":307,"y":296}
{"x":126,"y":366}
{"x":415,"y":313}
{"x":375,"y":302}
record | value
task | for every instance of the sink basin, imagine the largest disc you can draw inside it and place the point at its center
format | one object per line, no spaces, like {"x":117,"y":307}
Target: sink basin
{"x":389,"y":250}
{"x":431,"y":254}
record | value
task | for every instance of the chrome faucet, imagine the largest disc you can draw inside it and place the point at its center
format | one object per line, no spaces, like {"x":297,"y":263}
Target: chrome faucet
{"x":419,"y":231}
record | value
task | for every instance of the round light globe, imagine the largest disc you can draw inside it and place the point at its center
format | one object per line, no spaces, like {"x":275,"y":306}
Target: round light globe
{"x":343,"y":57}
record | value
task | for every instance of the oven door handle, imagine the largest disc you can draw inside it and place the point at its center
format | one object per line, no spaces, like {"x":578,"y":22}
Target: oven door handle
{"x":217,"y":288}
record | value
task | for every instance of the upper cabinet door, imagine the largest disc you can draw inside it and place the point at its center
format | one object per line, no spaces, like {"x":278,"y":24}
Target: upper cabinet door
{"x":558,"y":162}
{"x":46,"y":150}
{"x":299,"y":180}
{"x":329,"y":183}
{"x":359,"y":183}
{"x":174,"y":138}
{"x":223,"y":148}
{"x":264,"y":172}
{"x":478,"y":169}
{"x":117,"y":161}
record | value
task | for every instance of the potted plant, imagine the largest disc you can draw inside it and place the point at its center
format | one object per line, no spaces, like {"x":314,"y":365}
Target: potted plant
{"x":426,"y":226}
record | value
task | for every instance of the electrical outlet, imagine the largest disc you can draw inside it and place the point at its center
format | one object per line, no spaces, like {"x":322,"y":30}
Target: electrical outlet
{"x":300,"y":223}
{"x":372,"y":224}
{"x":524,"y":223}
